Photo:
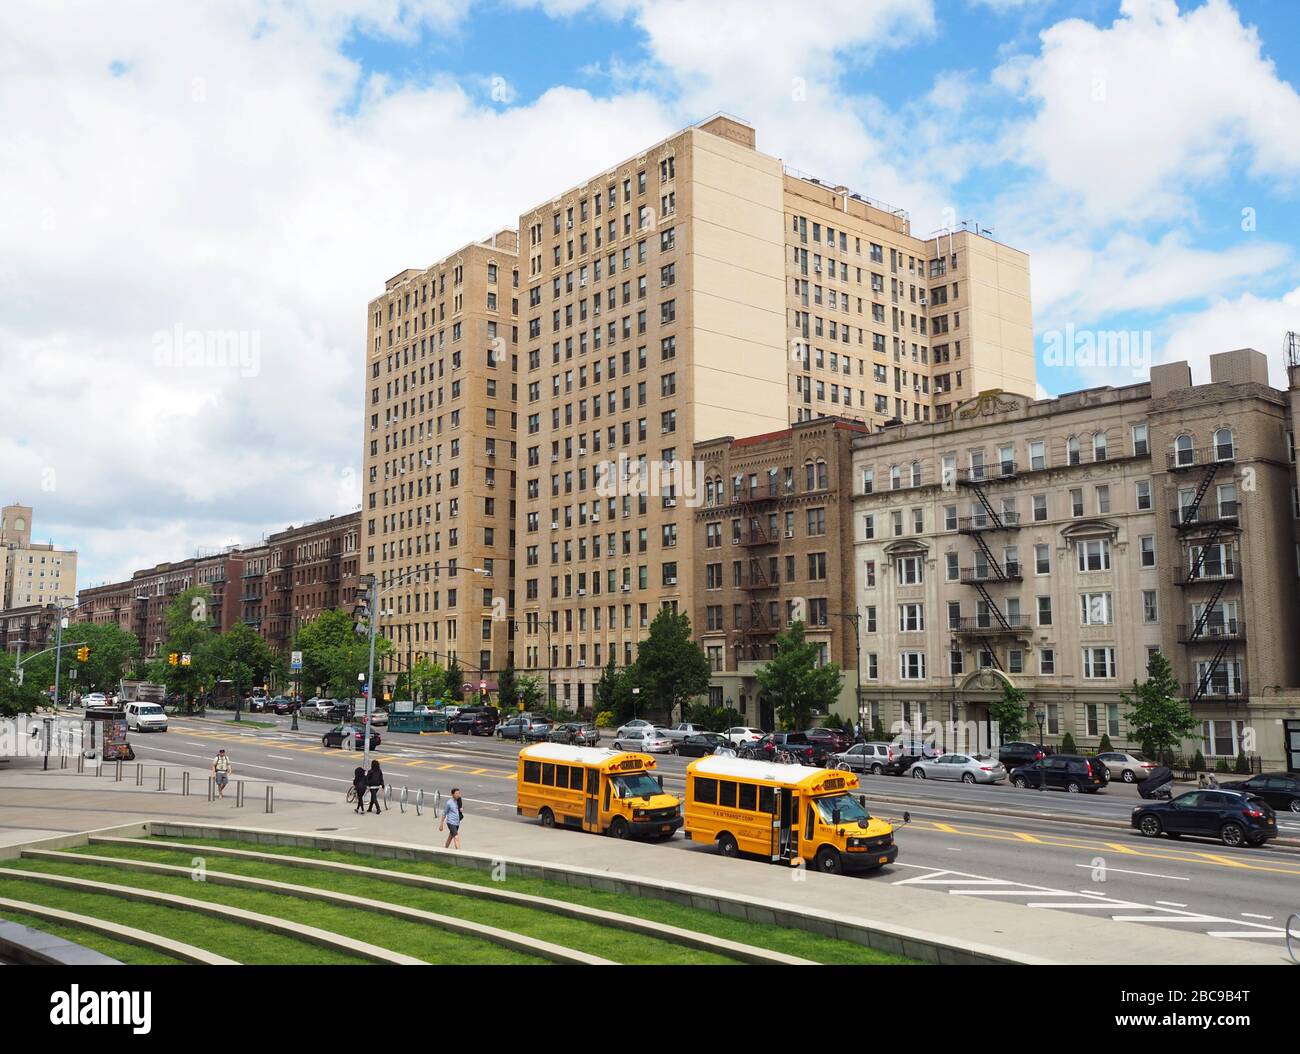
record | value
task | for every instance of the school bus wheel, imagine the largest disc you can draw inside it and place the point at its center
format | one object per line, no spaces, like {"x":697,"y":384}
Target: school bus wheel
{"x":727,"y":845}
{"x":547,"y":817}
{"x":828,"y":860}
{"x":618,"y":828}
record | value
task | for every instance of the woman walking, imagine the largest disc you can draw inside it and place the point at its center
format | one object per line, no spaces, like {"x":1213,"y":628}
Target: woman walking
{"x":375,"y":781}
{"x":359,"y":785}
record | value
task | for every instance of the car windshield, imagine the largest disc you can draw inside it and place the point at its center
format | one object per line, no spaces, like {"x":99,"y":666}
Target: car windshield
{"x":152,"y":711}
{"x":850,"y":809}
{"x":637,"y":786}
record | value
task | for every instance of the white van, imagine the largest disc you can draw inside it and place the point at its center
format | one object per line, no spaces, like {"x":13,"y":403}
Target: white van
{"x":146,"y":717}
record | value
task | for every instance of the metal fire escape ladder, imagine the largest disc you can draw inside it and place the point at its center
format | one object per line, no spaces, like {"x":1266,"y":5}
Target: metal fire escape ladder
{"x":1191,"y":513}
{"x":988,"y":555}
{"x":1204,"y":682}
{"x":994,"y":518}
{"x":1207,"y":611}
{"x":997,"y":611}
{"x":1194,"y":572}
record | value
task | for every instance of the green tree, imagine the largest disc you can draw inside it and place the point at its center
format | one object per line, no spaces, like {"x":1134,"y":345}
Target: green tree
{"x":18,"y":698}
{"x":530,"y":692}
{"x":1067,"y":744}
{"x":713,"y":718}
{"x":1158,"y":717}
{"x":670,"y":667}
{"x":1104,"y":746}
{"x":188,"y":625}
{"x":508,"y":686}
{"x":1009,"y":713}
{"x":113,"y":651}
{"x":605,"y":697}
{"x":794,"y":683}
{"x":334,"y":653}
{"x":428,"y":680}
{"x":455,"y":679}
{"x":242,"y":657}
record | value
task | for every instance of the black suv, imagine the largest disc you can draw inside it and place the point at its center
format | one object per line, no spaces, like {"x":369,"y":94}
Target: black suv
{"x":1067,"y":772}
{"x":475,"y":721}
{"x":1280,"y":789}
{"x":1013,"y":755}
{"x":1230,"y":816}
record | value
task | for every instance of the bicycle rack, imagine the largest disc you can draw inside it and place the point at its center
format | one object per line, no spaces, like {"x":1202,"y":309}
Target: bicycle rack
{"x":401,"y":802}
{"x":388,"y":796}
{"x":419,"y":803}
{"x":1293,"y":937}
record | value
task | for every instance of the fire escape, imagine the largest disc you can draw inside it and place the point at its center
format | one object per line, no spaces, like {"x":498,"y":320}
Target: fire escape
{"x":993,"y":625}
{"x":754,"y":635}
{"x":1202,"y":528}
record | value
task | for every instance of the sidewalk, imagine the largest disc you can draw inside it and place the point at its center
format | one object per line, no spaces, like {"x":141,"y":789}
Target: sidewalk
{"x":35,"y":804}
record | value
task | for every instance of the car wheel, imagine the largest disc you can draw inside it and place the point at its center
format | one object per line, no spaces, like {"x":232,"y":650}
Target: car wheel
{"x":1129,"y":777}
{"x":324,"y":741}
{"x":1232,"y":834}
{"x":618,"y":829}
{"x":918,"y":774}
{"x":547,"y":817}
{"x":877,"y":770}
{"x":968,"y":777}
{"x":1150,"y":826}
{"x":828,"y":861}
{"x":1019,"y":781}
{"x":1295,"y":804}
{"x":1073,"y":787}
{"x":843,"y":766}
{"x":727,"y":845}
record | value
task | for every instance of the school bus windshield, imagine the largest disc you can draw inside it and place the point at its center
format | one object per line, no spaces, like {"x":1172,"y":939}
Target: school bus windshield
{"x":849,"y":807}
{"x":638,"y":785}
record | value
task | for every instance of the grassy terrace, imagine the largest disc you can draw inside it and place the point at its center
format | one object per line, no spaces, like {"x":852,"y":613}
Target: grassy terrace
{"x":427,"y":942}
{"x":131,"y":954}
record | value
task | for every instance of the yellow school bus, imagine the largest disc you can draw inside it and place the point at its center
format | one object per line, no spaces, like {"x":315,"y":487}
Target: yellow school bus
{"x":602,"y":791}
{"x":785,"y":813}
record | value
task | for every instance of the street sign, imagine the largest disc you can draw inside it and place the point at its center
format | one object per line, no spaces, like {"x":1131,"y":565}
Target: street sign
{"x":482,"y":686}
{"x":72,"y":674}
{"x":185,"y":658}
{"x":295,"y":661}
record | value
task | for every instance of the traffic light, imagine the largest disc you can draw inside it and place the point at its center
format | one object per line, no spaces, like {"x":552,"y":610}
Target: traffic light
{"x":83,"y":653}
{"x":172,"y":658}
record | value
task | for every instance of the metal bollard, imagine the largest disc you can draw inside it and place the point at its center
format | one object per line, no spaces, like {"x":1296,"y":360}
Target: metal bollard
{"x":419,"y":802}
{"x":239,"y":794}
{"x":63,"y":761}
{"x":81,"y":764}
{"x":99,"y":770}
{"x":270,"y":798}
{"x":162,"y":779}
{"x":212,"y":789}
{"x":437,"y":801}
{"x":185,"y":783}
{"x":139,"y":773}
{"x":117,"y":775}
{"x":401,"y":802}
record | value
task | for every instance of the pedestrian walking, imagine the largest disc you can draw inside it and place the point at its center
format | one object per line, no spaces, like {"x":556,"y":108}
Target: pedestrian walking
{"x":221,"y":769}
{"x":359,"y":785}
{"x":451,"y":817}
{"x":375,"y":781}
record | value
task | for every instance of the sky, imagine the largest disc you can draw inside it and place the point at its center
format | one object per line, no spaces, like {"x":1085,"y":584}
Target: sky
{"x":241,"y":176}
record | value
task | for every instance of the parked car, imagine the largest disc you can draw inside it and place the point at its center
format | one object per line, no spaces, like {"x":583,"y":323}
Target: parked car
{"x":145,"y":717}
{"x":336,"y":736}
{"x":340,"y":711}
{"x":645,"y":738}
{"x":1131,"y":768}
{"x":794,"y":743}
{"x":539,"y":731}
{"x":740,"y":734}
{"x":474,"y":721}
{"x":94,"y":699}
{"x":966,"y":768}
{"x":1280,"y":789}
{"x":318,"y":707}
{"x":832,"y":739}
{"x":1067,"y":772}
{"x":514,"y":728}
{"x":907,"y":752}
{"x":1014,"y":755}
{"x":575,"y":733}
{"x":282,"y":704}
{"x":698,"y":746}
{"x":680,"y":731}
{"x":1233,"y":817}
{"x":876,"y":758}
{"x":379,"y":716}
{"x":631,"y":726}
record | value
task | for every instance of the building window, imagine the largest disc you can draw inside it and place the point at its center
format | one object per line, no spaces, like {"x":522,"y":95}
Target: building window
{"x":1094,"y":554}
{"x":1046,"y":662}
{"x":1098,"y":663}
{"x":1150,"y":612}
{"x":911,"y":665}
{"x":1147,"y":550}
{"x":1143,"y":494}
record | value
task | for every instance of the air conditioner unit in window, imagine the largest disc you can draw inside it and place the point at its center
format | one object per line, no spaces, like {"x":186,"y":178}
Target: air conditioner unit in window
{"x":555,"y":459}
{"x":670,"y":581}
{"x":582,"y":451}
{"x":595,"y":517}
{"x":490,"y":482}
{"x":789,"y":534}
{"x":582,"y":662}
{"x":554,"y":525}
{"x":627,"y":589}
{"x":670,"y":503}
{"x":582,"y":592}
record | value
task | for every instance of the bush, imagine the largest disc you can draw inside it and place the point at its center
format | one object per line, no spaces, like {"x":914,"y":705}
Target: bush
{"x":1067,"y":744}
{"x":1221,"y":765}
{"x":878,"y":729}
{"x":1198,"y":762}
{"x":605,"y":719}
{"x":1104,"y":746}
{"x":842,"y":724}
{"x":1242,"y":767}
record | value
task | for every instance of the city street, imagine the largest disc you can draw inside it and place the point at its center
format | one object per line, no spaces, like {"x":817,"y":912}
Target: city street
{"x":1043,"y":860}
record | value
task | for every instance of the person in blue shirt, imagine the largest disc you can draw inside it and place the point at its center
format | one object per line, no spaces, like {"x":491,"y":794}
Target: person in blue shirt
{"x":451,"y":816}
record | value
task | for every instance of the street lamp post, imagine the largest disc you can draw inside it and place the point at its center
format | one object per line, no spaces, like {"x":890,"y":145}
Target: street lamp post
{"x":855,"y":617}
{"x":1040,"y":717}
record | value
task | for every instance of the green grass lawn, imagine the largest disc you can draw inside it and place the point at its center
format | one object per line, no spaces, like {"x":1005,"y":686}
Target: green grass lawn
{"x":248,"y":723}
{"x":243,"y":944}
{"x":800,"y":943}
{"x":423,"y":942}
{"x":131,"y":954}
{"x":607,"y":942}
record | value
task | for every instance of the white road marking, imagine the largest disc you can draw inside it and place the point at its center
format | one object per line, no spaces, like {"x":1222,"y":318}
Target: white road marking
{"x":1248,"y":915}
{"x":1171,"y":903}
{"x":1245,"y":933}
{"x":1144,"y":874}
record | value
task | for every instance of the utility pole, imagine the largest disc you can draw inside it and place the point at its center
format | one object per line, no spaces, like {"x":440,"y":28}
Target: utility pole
{"x":856,"y":618}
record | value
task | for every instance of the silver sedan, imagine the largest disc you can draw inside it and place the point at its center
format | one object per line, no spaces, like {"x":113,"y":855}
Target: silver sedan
{"x":967,"y":768}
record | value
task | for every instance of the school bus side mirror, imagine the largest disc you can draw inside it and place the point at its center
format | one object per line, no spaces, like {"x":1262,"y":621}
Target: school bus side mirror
{"x":862,"y":800}
{"x":661,"y":783}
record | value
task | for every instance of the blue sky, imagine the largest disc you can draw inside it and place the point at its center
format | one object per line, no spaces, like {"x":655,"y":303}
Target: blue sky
{"x":259,"y":167}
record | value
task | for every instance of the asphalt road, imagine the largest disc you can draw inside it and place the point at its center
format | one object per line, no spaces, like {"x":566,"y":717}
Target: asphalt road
{"x":1042,"y":860}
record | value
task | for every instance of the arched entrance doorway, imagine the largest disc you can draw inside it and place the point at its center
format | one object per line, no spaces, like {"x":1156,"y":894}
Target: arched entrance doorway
{"x":976,"y":694}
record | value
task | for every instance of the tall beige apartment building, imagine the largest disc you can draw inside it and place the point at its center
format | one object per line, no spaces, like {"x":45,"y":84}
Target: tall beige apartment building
{"x":1054,"y":545}
{"x":438,"y":505}
{"x":700,"y":290}
{"x":32,"y":574}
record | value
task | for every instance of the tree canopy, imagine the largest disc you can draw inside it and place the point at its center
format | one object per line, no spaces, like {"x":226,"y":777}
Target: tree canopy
{"x":794,"y":683}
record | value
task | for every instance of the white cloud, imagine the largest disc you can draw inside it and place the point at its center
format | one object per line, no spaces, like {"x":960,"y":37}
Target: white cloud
{"x":1246,"y":321}
{"x":1129,"y":117}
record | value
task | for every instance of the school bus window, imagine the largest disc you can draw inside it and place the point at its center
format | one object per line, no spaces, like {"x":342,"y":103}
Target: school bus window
{"x":706,"y":791}
{"x":636,"y":785}
{"x":608,"y":785}
{"x":767,"y":800}
{"x":850,"y":809}
{"x":575,"y":778}
{"x":562,"y":777}
{"x":748,"y":796}
{"x":532,"y":771}
{"x":727,"y":794}
{"x":808,"y":823}
{"x":548,"y":775}
{"x":593,"y":781}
